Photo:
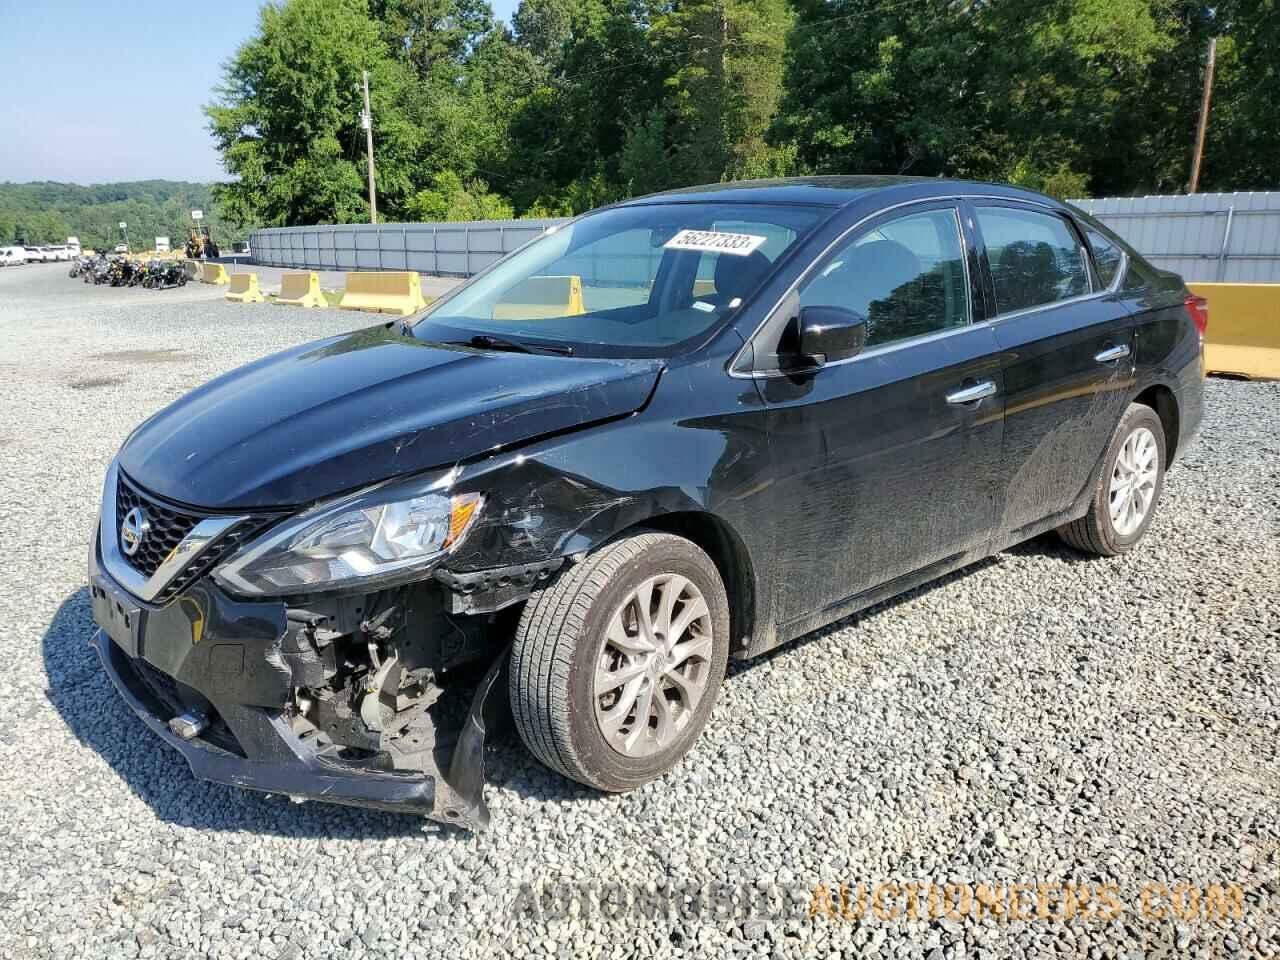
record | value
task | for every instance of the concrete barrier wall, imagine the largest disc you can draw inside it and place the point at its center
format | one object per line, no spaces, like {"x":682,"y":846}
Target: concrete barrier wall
{"x":1244,"y":328}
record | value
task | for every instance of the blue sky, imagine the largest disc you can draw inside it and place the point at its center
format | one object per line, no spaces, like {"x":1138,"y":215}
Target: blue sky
{"x":96,"y":90}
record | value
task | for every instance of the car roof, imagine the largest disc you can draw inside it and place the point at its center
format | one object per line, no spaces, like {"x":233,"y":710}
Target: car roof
{"x":834,"y":191}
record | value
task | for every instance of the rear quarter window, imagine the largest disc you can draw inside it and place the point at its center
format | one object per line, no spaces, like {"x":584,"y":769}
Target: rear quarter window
{"x":1108,"y":258}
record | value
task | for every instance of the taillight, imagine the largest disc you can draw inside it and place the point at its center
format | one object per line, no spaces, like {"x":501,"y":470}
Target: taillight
{"x":1198,"y":307}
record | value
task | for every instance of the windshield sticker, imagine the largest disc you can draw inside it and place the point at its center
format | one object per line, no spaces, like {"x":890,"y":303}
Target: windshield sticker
{"x":738,"y":244}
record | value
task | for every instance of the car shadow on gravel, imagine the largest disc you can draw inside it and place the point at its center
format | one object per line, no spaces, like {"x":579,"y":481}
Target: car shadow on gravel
{"x":96,"y":715}
{"x":81,"y":693}
{"x":1046,"y":545}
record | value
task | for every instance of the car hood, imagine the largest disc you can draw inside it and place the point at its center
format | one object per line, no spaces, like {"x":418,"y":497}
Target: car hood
{"x":339,"y":414}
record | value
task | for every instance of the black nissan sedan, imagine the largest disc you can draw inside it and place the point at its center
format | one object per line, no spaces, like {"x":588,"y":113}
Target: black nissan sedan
{"x":683,"y":428}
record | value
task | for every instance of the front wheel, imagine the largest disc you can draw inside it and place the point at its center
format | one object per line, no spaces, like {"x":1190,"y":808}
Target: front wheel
{"x":617,"y":663}
{"x":1127,"y":488}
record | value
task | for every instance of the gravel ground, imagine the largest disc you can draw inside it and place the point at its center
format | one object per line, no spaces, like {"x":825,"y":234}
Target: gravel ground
{"x":1038,"y":718}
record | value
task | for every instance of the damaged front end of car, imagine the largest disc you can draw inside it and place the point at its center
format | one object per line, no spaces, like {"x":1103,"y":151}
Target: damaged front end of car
{"x":323,"y":655}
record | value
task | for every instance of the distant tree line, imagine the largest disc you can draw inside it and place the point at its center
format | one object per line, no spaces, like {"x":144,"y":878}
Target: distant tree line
{"x":40,"y":213}
{"x":580,"y":102}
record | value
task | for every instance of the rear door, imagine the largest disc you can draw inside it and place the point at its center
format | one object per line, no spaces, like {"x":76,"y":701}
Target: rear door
{"x":886,"y":462}
{"x":1067,"y":343}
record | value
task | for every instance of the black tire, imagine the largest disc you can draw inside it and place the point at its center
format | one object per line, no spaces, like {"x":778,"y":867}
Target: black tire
{"x":561,"y":638}
{"x":1095,"y":532}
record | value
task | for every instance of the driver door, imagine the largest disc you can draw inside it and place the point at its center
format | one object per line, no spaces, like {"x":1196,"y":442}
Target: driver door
{"x":888,"y":461}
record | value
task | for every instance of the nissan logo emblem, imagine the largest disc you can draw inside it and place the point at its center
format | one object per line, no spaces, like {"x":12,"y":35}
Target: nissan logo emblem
{"x":134,"y":530}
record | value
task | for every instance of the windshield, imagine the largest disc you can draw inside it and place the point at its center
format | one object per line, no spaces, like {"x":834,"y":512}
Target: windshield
{"x":630,"y":281}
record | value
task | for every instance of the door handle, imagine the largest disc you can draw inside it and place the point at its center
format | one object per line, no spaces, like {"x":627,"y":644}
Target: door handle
{"x":978,"y":391}
{"x":1112,"y":353}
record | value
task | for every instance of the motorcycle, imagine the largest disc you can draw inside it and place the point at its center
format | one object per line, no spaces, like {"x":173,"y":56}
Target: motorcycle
{"x":163,"y":275}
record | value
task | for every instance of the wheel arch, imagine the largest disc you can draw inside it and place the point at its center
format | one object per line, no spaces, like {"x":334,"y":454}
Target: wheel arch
{"x":728,"y":552}
{"x":1160,"y":398}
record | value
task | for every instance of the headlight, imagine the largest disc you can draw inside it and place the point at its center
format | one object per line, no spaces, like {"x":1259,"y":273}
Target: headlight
{"x":372,"y":540}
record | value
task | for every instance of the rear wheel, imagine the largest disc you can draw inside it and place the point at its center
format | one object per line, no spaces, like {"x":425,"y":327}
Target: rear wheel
{"x":617,"y":663}
{"x":1127,"y":488}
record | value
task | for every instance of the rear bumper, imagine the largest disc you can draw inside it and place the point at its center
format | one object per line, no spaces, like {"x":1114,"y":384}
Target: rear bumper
{"x":205,"y":651}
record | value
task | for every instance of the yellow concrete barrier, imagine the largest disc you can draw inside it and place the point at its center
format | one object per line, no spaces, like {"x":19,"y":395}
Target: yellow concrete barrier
{"x":386,"y":292}
{"x":244,"y":288}
{"x":1244,"y":328}
{"x":214,"y":273}
{"x":538,"y":298}
{"x":301,"y":290}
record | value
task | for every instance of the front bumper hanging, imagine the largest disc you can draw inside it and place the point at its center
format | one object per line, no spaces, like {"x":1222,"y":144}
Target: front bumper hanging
{"x":162,"y":659}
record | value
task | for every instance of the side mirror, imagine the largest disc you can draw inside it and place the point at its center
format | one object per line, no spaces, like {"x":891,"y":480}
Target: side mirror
{"x":828,"y":334}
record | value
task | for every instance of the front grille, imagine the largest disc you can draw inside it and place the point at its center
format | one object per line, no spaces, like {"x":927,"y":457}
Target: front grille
{"x":169,"y":525}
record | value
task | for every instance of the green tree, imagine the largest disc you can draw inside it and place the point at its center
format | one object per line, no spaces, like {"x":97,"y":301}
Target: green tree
{"x":1243,"y":150}
{"x":432,"y":34}
{"x":449,"y":199}
{"x":568,"y":128}
{"x":287,"y":120}
{"x":45,"y":212}
{"x":587,"y":101}
{"x":724,"y":61}
{"x":967,"y":89}
{"x":544,"y":27}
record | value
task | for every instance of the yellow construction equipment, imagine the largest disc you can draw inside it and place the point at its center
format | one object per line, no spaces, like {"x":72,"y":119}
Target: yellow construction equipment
{"x":213,"y":273}
{"x":244,"y":288}
{"x":301,"y":290}
{"x":1244,"y":328}
{"x":200,"y":242}
{"x":538,"y":298}
{"x":387,"y":292}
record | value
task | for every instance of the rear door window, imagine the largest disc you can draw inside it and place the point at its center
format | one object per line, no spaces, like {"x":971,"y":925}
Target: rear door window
{"x":1035,"y":258}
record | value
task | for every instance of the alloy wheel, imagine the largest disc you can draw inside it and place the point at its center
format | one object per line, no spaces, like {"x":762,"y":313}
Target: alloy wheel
{"x":654,"y":666}
{"x":1133,"y":481}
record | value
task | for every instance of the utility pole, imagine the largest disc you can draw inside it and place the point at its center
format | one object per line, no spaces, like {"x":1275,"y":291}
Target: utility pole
{"x":1203,"y":126}
{"x":366,"y":121}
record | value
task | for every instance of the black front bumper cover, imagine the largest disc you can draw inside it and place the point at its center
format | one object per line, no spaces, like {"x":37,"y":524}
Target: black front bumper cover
{"x":209,"y":648}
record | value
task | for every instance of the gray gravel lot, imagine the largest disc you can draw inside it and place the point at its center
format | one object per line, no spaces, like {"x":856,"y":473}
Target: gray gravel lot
{"x":1037,"y":718}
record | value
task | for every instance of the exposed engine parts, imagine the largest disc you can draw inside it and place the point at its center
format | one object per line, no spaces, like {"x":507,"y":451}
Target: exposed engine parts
{"x":367,"y":671}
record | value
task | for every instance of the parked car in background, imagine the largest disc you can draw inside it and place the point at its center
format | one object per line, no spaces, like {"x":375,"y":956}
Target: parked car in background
{"x":58,"y":251}
{"x":12,"y":256}
{"x":73,"y":244}
{"x":34,"y":254}
{"x":688,"y":427}
{"x":240,"y":248}
{"x":122,"y":248}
